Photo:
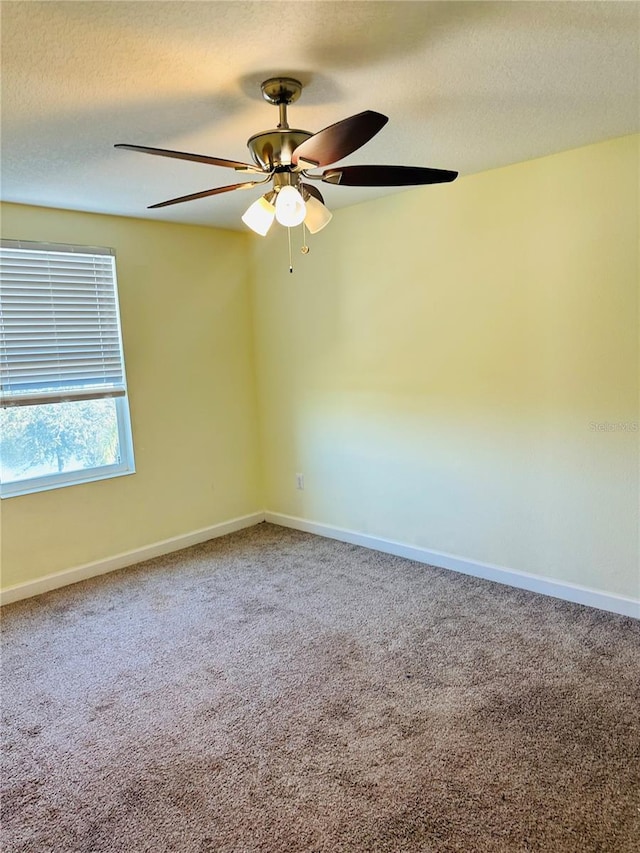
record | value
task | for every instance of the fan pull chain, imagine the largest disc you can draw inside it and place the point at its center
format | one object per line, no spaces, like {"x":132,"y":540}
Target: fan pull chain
{"x":290,"y":259}
{"x":304,"y":248}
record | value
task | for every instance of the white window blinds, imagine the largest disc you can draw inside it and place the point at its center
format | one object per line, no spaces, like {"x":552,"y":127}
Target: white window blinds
{"x":59,"y":324}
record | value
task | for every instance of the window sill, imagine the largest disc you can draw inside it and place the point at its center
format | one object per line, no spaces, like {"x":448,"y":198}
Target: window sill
{"x":60,"y":481}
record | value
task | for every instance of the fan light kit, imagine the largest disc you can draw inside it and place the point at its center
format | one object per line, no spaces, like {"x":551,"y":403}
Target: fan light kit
{"x":287,"y":158}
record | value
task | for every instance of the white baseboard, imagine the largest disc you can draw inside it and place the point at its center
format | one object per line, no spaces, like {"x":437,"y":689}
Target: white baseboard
{"x":499,"y":574}
{"x":128,"y":558}
{"x":521,"y":580}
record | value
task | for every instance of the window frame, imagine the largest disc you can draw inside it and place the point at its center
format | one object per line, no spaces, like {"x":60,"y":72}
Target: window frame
{"x":126,"y":462}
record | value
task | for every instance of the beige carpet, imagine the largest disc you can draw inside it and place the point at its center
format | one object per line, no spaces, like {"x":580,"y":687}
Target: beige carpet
{"x":275,"y":691}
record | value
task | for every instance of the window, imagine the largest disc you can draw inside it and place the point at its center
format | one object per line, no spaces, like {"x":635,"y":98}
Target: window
{"x":64,"y":414}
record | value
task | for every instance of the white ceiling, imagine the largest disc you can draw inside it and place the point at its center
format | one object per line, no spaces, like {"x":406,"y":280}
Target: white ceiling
{"x":466,"y":85}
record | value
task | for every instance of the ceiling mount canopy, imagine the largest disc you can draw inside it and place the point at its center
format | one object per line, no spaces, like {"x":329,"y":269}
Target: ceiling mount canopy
{"x":281,"y":90}
{"x":287,"y":157}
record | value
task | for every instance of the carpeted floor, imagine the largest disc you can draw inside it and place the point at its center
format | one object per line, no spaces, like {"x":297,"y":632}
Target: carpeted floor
{"x":275,"y":691}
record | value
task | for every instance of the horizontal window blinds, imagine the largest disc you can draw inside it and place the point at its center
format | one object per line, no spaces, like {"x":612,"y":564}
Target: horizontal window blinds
{"x":59,"y":324}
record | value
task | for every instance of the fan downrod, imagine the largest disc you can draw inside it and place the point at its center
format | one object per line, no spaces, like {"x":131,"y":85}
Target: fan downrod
{"x":273,"y":149}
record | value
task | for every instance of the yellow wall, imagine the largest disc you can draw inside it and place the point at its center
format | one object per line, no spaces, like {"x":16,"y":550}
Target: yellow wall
{"x":434,"y":367}
{"x":436,"y":364}
{"x":184,"y":299}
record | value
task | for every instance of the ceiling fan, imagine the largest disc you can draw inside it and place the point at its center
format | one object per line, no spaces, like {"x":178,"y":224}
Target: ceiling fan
{"x":286,"y":158}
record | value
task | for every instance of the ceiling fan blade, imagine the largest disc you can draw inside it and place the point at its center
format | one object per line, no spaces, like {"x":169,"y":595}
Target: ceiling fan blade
{"x":314,"y":192}
{"x":197,"y":158}
{"x":339,"y":139}
{"x":215,"y":191}
{"x":387,"y":176}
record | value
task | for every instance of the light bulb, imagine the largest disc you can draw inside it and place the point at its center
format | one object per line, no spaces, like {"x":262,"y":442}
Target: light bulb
{"x":317,"y":215}
{"x":259,"y":216}
{"x":290,"y":207}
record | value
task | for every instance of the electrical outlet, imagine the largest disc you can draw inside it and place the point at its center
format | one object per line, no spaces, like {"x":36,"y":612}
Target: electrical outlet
{"x":299,"y":481}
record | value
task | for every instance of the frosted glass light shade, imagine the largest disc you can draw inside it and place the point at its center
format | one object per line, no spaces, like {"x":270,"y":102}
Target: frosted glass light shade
{"x":317,"y":215}
{"x":259,"y":216}
{"x":290,"y":207}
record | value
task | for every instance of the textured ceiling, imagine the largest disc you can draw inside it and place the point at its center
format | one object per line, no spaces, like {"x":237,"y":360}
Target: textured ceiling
{"x":467,"y":86}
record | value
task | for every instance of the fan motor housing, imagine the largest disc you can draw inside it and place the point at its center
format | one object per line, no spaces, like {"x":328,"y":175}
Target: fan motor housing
{"x":273,"y":148}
